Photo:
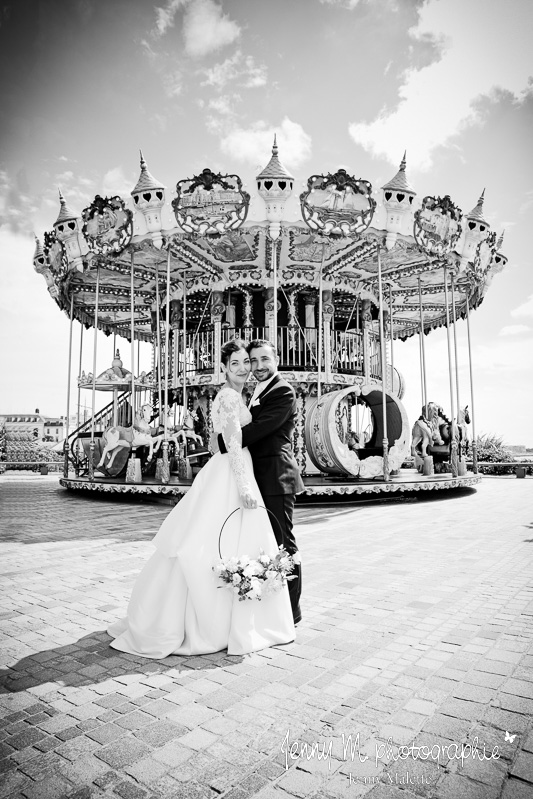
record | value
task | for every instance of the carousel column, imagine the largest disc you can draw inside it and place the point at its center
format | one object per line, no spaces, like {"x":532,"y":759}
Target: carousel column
{"x":78,"y":445}
{"x":366,"y":319}
{"x":69,"y":370}
{"x":293,"y":359}
{"x":427,"y":465}
{"x":92,"y":444}
{"x":217,"y":310}
{"x":328,"y":310}
{"x":247,"y":314}
{"x":310,"y":340}
{"x":454,"y":462}
{"x":165,"y":468}
{"x":300,"y":449}
{"x":271,"y":315}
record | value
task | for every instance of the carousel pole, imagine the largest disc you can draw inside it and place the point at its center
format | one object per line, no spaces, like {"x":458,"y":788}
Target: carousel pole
{"x":472,"y":415}
{"x":131,"y":468}
{"x":78,"y":453}
{"x":275,"y":293}
{"x":165,"y":469}
{"x":391,"y":326}
{"x":184,"y":319}
{"x":461,"y":459}
{"x":93,"y":399}
{"x":69,"y":374}
{"x":158,"y":338}
{"x":386,"y":473}
{"x":422,"y":351}
{"x":453,"y":442}
{"x":320,"y":325}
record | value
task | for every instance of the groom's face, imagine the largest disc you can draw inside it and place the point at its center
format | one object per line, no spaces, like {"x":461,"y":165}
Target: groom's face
{"x":264,"y":363}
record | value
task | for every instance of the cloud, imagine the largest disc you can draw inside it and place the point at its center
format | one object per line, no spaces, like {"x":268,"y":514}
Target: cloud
{"x":486,"y":46}
{"x":225,"y":104}
{"x":526,"y":309}
{"x":206,"y":28}
{"x":165,"y":16}
{"x":348,"y":4}
{"x":115,"y":182}
{"x":239,"y":68}
{"x":514,"y":330}
{"x":528,"y":202}
{"x":253,"y":145}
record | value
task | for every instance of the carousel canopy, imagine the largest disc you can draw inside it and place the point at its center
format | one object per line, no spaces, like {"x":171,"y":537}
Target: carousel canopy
{"x":202,"y":241}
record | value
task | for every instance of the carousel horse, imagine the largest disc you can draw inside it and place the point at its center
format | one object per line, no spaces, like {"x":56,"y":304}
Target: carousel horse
{"x":140,"y":435}
{"x":188,"y":429}
{"x":426,"y":430}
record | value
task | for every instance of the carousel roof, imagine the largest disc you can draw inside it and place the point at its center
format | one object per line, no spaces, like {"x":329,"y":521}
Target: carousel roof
{"x":431,"y":244}
{"x":146,"y":180}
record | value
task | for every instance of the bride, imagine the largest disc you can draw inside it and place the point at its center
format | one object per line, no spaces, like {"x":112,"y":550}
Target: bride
{"x":178,"y":605}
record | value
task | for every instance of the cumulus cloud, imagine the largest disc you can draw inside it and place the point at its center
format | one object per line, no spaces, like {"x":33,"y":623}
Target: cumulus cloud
{"x":115,"y":182}
{"x":514,"y":330}
{"x":349,"y":4}
{"x":165,"y":16}
{"x":253,"y":145}
{"x":438,"y":101}
{"x":237,"y":67}
{"x":206,"y":28}
{"x":526,"y":309}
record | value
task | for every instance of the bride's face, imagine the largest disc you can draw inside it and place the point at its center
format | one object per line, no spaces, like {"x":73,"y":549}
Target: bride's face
{"x":237,"y":368}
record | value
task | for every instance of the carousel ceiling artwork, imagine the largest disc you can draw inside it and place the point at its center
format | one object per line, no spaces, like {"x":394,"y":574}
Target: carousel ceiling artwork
{"x":203,"y":239}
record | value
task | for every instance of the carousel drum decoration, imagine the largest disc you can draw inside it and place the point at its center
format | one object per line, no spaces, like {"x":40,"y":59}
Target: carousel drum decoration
{"x":107,"y":225}
{"x":437,"y":225}
{"x":210,"y":203}
{"x":54,"y":254}
{"x":338,"y":204}
{"x":332,"y":452}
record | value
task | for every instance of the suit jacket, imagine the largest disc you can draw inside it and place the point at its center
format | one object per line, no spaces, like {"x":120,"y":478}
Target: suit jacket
{"x":269,"y":439}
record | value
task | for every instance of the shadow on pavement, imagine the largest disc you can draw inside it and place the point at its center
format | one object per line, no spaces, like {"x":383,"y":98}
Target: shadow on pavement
{"x":91,"y":661}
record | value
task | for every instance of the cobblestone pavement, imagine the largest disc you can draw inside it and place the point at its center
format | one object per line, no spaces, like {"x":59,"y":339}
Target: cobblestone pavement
{"x":417,"y":630}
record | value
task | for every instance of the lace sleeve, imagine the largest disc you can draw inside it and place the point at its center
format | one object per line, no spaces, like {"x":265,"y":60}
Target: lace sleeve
{"x":229,"y":413}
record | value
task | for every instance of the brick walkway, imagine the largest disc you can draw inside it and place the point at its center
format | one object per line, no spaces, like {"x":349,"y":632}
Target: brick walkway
{"x":417,"y":629}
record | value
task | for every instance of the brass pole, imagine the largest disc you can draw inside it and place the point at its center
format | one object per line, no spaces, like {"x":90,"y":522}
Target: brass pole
{"x":165,"y":470}
{"x":386,"y":473}
{"x":422,"y":348}
{"x":158,"y":339}
{"x":92,"y":444}
{"x":78,"y":454}
{"x":453,"y":427}
{"x":472,"y":414}
{"x":320,"y":324}
{"x":184,"y":348}
{"x":391,"y":327}
{"x":69,"y":375}
{"x":132,"y":336}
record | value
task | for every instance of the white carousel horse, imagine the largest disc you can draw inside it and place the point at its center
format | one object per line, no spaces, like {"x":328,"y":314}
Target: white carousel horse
{"x":188,"y":429}
{"x":140,"y":435}
{"x":426,"y":430}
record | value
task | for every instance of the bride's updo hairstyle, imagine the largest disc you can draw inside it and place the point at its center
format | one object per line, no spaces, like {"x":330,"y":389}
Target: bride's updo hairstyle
{"x":229,"y":348}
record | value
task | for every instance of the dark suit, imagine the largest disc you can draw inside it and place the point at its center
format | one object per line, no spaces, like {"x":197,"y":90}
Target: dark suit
{"x":269,"y":439}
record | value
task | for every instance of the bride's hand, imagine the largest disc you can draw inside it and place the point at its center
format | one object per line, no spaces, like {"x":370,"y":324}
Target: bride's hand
{"x":249,"y":501}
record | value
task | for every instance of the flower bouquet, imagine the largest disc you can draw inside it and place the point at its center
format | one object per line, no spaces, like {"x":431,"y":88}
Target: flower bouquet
{"x":254,"y":579}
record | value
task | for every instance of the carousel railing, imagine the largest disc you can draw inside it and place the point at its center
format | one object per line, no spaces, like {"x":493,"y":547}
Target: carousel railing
{"x":347,"y":351}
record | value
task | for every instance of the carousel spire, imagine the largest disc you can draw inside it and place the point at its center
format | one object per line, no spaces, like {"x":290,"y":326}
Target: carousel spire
{"x":398,"y":195}
{"x":65,"y":214}
{"x":499,"y":243}
{"x":274,"y":168}
{"x":274,"y":185}
{"x":149,"y":197}
{"x":399,"y":182}
{"x":477,"y":212}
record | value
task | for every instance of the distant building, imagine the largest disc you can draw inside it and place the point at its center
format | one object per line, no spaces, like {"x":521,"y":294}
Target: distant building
{"x":33,"y":427}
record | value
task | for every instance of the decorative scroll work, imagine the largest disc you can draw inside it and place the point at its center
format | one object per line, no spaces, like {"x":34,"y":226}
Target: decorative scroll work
{"x":437,"y":225}
{"x":107,"y":225}
{"x":337,"y":204}
{"x":210,"y":203}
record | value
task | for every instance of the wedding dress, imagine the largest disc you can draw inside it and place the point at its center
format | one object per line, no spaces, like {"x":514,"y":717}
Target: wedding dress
{"x":178,"y":605}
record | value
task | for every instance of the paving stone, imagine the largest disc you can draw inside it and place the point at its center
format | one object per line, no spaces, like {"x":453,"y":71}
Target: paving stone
{"x":523,"y":767}
{"x":516,"y":789}
{"x":453,"y":786}
{"x":122,"y":752}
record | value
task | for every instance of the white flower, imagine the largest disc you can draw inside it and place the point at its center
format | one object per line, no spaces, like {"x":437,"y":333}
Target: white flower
{"x":285,"y":563}
{"x":237,"y":579}
{"x":252,"y":569}
{"x":232,"y":565}
{"x":265,"y":560}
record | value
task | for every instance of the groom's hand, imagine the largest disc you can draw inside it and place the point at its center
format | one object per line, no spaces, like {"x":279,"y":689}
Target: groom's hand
{"x":213,"y":443}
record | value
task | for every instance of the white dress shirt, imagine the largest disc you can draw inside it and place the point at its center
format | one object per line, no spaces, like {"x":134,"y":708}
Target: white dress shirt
{"x":259,"y":388}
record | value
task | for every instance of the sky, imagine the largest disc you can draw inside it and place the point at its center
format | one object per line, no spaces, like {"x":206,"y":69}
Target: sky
{"x":196,"y":83}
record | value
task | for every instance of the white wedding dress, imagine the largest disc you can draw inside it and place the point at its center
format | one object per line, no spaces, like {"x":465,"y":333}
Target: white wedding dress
{"x":178,"y":605}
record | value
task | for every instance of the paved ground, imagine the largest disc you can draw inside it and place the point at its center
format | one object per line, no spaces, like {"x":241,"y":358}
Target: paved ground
{"x":418,"y":626}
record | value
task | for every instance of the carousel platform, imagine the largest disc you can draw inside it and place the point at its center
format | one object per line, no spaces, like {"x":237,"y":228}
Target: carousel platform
{"x":317,"y":487}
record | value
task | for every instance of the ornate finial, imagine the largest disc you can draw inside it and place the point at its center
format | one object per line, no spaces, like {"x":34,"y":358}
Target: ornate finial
{"x":499,"y":243}
{"x":404,"y":162}
{"x":477,"y":212}
{"x":275,"y":146}
{"x":143,"y":162}
{"x":61,"y":198}
{"x":38,"y":248}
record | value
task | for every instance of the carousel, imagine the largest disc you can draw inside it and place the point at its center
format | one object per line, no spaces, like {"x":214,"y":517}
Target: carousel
{"x":182,"y":272}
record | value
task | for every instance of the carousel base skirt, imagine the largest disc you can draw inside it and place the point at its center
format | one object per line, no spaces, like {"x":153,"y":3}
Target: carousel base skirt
{"x":317,"y":487}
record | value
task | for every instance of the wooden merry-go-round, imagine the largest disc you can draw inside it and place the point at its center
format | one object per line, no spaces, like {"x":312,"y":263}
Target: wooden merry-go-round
{"x":182,"y":272}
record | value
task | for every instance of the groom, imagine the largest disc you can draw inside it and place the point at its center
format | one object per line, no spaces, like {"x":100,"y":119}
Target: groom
{"x":269,"y":439}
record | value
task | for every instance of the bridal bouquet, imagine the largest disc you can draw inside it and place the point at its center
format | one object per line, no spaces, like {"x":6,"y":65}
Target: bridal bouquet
{"x":253,"y":579}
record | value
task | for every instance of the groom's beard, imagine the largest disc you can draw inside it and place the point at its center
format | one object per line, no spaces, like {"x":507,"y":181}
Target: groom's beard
{"x":264,"y":374}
